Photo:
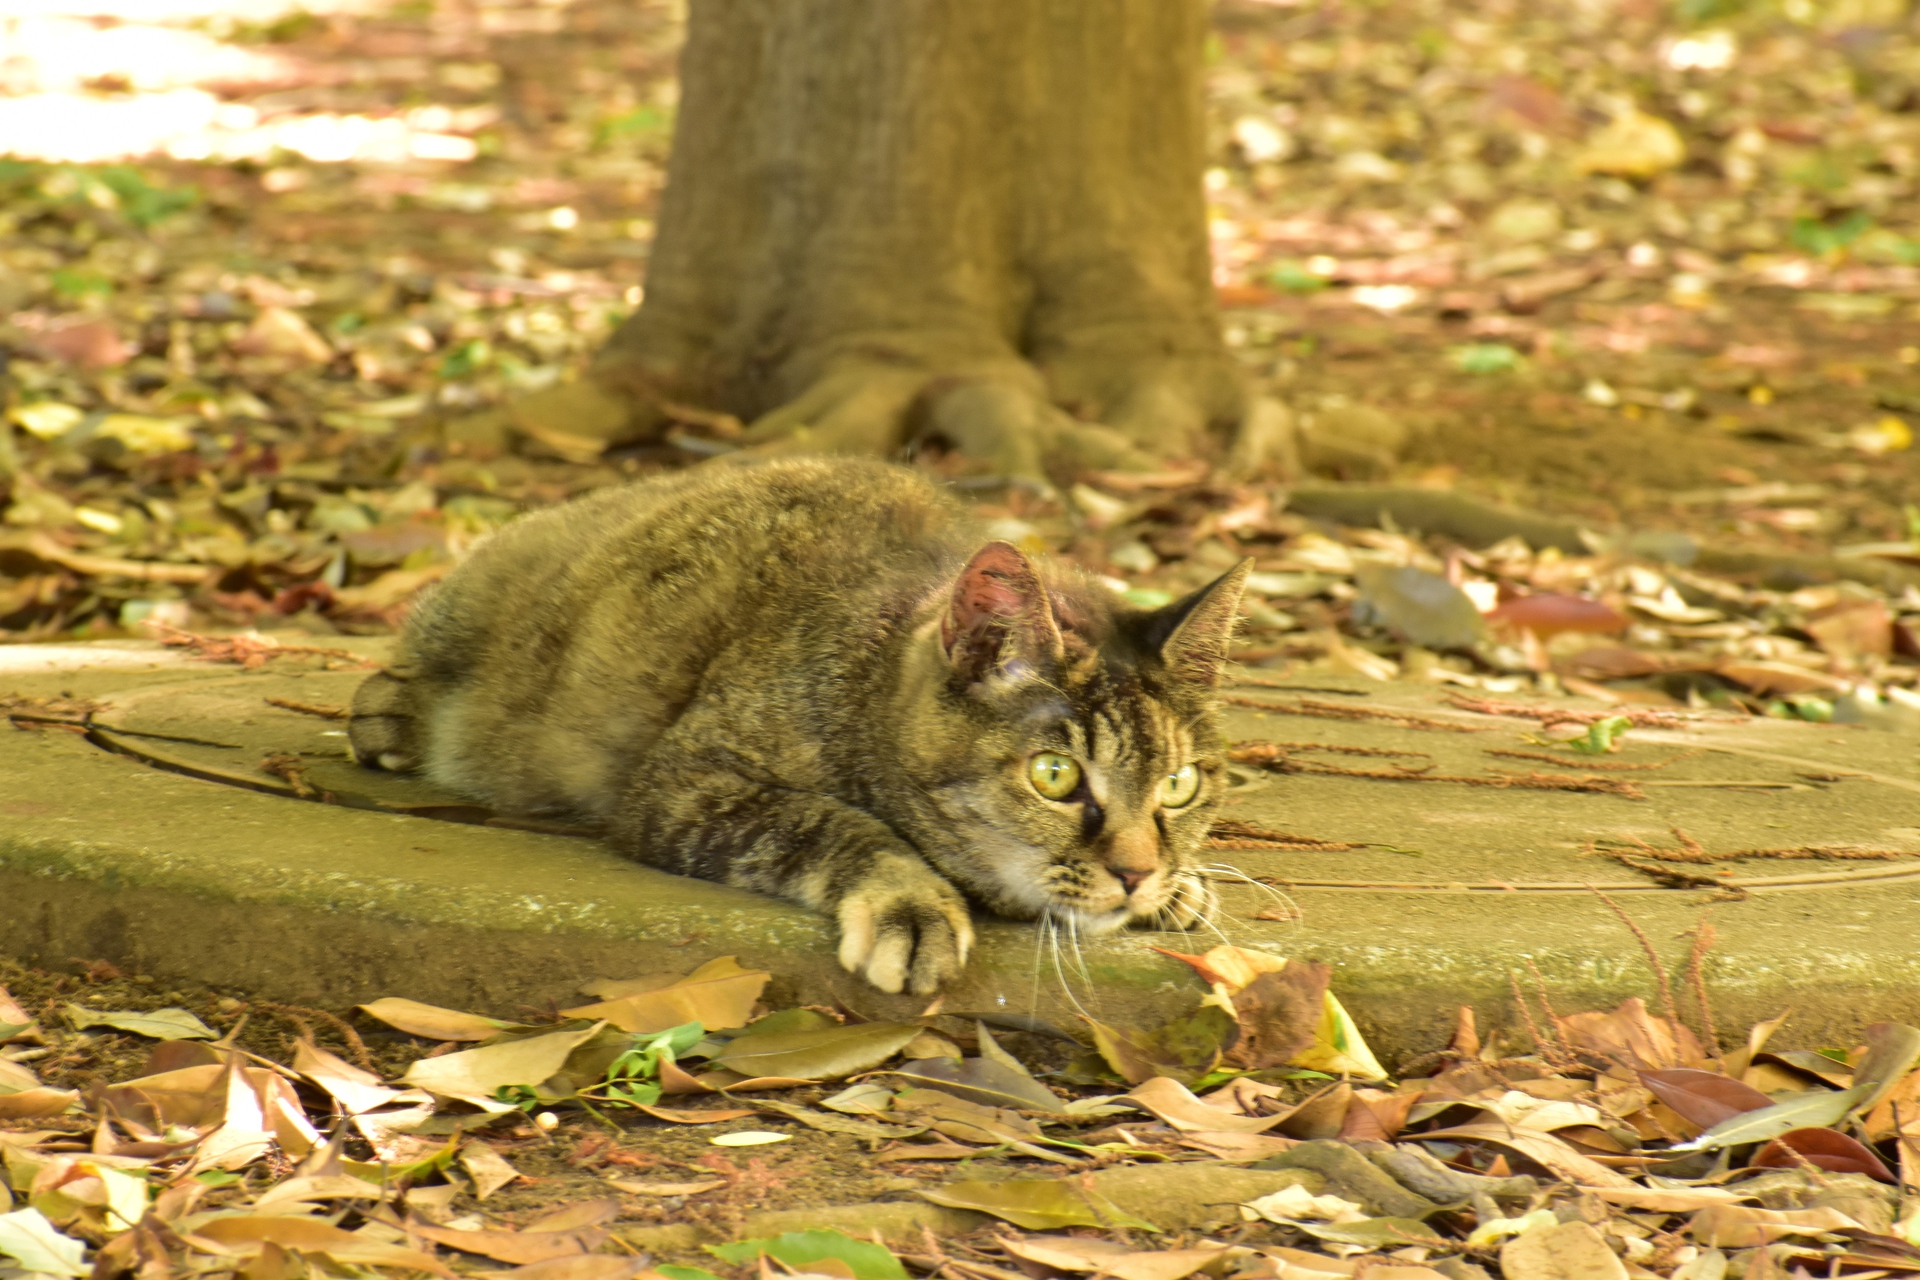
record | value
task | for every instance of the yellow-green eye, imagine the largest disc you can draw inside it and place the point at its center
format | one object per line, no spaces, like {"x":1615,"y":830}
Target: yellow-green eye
{"x":1178,"y":788}
{"x":1053,"y":775}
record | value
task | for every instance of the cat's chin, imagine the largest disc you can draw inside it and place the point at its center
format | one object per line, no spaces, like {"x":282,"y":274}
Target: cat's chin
{"x":1090,"y":923}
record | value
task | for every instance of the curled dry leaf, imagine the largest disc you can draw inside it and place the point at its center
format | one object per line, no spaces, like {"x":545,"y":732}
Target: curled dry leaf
{"x":434,"y":1023}
{"x":1733,"y":1226}
{"x":475,"y":1075}
{"x":250,"y":1234}
{"x":1827,"y":1149}
{"x":1705,"y":1098}
{"x":827,"y":1053}
{"x":634,"y":1186}
{"x":1174,"y":1103}
{"x":1036,"y":1204}
{"x":719,"y":995}
{"x":1106,"y":1258}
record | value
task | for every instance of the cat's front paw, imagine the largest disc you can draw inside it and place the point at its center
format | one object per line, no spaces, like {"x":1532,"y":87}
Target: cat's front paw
{"x":903,"y":927}
{"x":1190,"y":903}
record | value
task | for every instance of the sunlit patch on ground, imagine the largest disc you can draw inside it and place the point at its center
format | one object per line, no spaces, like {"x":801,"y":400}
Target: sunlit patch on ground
{"x":93,"y":81}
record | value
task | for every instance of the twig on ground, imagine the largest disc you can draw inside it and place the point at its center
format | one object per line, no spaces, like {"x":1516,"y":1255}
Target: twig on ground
{"x":1260,"y":751}
{"x":1535,"y":781}
{"x":1609,"y":766}
{"x":287,"y":767}
{"x":1646,"y":944}
{"x":325,"y":710}
{"x":1704,"y":935}
{"x":1231,"y":834}
{"x":1640,"y":717}
{"x":249,"y":649}
{"x":1333,"y":711}
{"x":298,"y":1016}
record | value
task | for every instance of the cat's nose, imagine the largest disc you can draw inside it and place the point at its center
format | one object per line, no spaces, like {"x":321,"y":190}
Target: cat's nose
{"x":1129,"y":880}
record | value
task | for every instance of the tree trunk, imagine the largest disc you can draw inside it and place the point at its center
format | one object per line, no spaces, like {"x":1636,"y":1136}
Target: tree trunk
{"x":976,"y":222}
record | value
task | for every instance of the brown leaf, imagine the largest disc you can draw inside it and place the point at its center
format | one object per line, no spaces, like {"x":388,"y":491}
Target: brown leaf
{"x":1569,"y":1251}
{"x":32,"y":1104}
{"x":309,"y":1236}
{"x":1703,"y":1097}
{"x":634,"y":1186}
{"x":1171,"y":1102}
{"x":87,"y":344}
{"x":718,"y":995}
{"x":1320,"y":1115}
{"x":1853,"y":630}
{"x":1827,"y":1149}
{"x":1732,"y":1226}
{"x":710,"y":1116}
{"x":503,"y":1246}
{"x":589,"y":1266}
{"x":1630,"y":1034}
{"x":1543,"y":1149}
{"x":1238,"y":1148}
{"x":1278,"y":1013}
{"x":1106,"y":1258}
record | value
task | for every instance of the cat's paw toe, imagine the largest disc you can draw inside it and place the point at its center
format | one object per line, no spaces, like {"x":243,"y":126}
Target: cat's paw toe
{"x":910,"y":933}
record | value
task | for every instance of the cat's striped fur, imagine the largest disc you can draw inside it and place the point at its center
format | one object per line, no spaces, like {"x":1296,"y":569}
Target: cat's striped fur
{"x":812,"y":678}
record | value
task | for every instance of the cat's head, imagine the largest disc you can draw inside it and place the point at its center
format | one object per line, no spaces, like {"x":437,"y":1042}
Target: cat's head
{"x":1082,"y":759}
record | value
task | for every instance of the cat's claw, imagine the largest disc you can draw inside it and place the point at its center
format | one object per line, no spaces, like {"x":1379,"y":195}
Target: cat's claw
{"x":905,"y":931}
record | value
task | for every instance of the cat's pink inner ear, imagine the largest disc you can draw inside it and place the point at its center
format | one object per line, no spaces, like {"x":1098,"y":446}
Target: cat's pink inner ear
{"x":999,"y":614}
{"x":997,"y":585}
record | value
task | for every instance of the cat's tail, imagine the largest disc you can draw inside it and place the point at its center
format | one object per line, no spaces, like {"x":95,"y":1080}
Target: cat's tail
{"x":383,"y":729}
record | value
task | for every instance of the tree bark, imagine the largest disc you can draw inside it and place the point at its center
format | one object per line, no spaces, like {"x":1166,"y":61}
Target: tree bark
{"x":974,"y":222}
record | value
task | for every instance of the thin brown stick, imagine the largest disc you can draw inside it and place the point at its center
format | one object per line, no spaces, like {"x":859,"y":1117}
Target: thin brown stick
{"x":1646,"y":945}
{"x":325,"y":710}
{"x":1704,"y":936}
{"x":1608,"y":766}
{"x":287,"y":768}
{"x":1259,"y":751}
{"x":1546,"y":1006}
{"x":296,"y":1014}
{"x":1591,"y":783}
{"x":1333,"y":711}
{"x":1232,"y":834}
{"x":1640,"y":717}
{"x":1540,"y":1045}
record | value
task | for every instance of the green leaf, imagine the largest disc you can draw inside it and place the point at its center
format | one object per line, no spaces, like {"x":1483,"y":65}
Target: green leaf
{"x":1814,"y":1110}
{"x":672,"y":1272}
{"x":829,"y":1053}
{"x":797,"y":1249}
{"x":27,"y":1237}
{"x":159,"y":1024}
{"x":1485,"y":357}
{"x":1036,"y":1204}
{"x":1601,"y":735}
{"x":1294,"y":278}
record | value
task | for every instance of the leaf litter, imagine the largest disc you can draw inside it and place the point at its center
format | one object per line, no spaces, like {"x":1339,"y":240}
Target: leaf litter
{"x":1669,"y":1150}
{"x":1627,"y":259}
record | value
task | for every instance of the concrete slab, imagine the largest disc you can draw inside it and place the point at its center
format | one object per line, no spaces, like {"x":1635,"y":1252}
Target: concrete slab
{"x":157,"y":842}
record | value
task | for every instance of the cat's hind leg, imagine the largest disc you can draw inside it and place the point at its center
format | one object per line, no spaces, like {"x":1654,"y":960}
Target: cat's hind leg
{"x":384,"y":725}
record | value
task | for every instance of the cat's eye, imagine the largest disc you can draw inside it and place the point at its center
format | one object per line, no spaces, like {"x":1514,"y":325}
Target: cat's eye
{"x":1178,"y":788}
{"x":1053,"y":775}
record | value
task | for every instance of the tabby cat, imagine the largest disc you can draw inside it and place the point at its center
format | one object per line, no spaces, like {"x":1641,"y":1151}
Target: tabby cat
{"x":816,"y":678}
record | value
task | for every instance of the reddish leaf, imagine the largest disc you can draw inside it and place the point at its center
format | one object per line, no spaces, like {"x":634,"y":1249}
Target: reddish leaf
{"x":1824,"y":1148}
{"x":1703,"y":1097}
{"x":1549,"y":613}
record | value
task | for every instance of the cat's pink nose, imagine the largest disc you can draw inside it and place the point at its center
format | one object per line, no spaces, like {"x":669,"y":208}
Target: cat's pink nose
{"x":1130,"y":880}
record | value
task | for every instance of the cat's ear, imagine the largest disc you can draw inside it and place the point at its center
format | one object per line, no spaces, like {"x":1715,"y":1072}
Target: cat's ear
{"x":1191,"y":634}
{"x":998,"y":618}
